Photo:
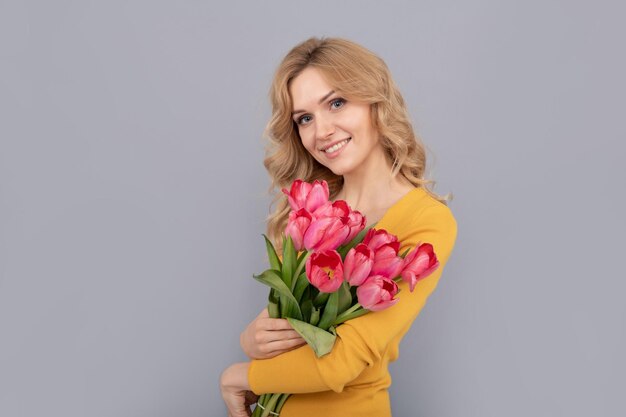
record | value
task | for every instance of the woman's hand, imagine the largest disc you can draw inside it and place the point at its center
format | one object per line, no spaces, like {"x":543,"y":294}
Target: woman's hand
{"x":236,"y":390}
{"x":265,"y":337}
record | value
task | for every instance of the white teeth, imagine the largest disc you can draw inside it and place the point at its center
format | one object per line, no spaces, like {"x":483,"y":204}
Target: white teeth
{"x":336,"y":146}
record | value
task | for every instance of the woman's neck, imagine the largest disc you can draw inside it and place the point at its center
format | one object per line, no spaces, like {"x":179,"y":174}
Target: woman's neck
{"x":373,"y":188}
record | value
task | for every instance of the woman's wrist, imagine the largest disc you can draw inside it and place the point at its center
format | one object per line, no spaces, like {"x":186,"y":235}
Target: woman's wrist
{"x":236,"y":377}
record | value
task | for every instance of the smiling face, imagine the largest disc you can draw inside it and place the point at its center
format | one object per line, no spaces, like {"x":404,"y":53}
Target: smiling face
{"x":337,"y":132}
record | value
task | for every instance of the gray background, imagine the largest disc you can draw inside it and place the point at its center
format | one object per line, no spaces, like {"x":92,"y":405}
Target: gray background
{"x":133,"y":198}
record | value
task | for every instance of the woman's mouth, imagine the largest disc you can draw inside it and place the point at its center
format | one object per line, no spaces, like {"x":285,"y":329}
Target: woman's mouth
{"x":337,"y":146}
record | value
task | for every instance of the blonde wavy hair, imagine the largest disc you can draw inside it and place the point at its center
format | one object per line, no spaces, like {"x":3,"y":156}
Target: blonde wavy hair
{"x":360,"y":75}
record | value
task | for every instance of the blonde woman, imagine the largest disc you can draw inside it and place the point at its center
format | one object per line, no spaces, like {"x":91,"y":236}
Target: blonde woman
{"x":338,"y":116}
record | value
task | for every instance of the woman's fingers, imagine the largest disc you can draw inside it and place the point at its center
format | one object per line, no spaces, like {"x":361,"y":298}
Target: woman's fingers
{"x":276,"y":335}
{"x":274,"y":324}
{"x":265,"y":337}
{"x":272,"y":349}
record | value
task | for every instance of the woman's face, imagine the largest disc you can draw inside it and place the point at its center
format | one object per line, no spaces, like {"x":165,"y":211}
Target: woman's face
{"x":338,"y":133}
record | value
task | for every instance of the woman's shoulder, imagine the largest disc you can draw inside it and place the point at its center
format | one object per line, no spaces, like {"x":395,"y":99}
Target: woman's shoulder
{"x":419,"y":202}
{"x":421,"y":213}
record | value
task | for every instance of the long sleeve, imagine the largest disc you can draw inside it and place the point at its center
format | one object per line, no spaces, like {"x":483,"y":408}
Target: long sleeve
{"x":372,"y":340}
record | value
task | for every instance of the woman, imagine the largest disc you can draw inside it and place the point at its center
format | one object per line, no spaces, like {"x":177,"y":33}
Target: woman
{"x":338,"y":116}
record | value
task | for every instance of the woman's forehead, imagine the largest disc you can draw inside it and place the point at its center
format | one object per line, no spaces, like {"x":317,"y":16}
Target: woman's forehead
{"x":309,"y":88}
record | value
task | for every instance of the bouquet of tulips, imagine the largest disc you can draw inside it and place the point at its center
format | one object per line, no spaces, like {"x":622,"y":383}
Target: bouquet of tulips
{"x":333,"y":269}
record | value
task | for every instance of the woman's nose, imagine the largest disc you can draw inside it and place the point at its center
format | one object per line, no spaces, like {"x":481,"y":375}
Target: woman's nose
{"x":325,"y":127}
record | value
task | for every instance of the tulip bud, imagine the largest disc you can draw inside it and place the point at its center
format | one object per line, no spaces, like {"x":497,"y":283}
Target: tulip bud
{"x":305,"y":195}
{"x":375,"y":238}
{"x":297,"y":226}
{"x":358,"y":264}
{"x":418,"y":264}
{"x":387,"y":262}
{"x":326,"y":233}
{"x":356,"y":222}
{"x":324,"y":270}
{"x":377,"y":293}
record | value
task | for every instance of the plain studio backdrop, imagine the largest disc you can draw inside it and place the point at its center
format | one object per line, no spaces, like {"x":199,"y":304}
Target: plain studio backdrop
{"x":133,"y":198}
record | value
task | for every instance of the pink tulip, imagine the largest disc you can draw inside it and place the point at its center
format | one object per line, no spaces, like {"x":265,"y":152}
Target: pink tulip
{"x":324,"y":270}
{"x":337,"y":208}
{"x":387,"y":262}
{"x":377,"y":293}
{"x":341,"y":209}
{"x":375,"y":238}
{"x":306,"y":195}
{"x":356,"y":222}
{"x":297,"y":225}
{"x":326,"y":233}
{"x":358,"y":264}
{"x":418,"y":264}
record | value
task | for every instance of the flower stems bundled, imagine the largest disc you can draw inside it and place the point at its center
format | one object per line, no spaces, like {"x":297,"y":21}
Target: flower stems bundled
{"x":333,"y":269}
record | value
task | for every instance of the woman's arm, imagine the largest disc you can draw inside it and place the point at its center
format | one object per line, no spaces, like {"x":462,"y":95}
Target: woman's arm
{"x":363,"y":341}
{"x":236,"y":390}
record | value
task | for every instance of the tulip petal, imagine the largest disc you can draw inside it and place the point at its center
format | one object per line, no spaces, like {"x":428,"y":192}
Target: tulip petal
{"x":419,"y":264}
{"x":324,"y":271}
{"x":317,"y":196}
{"x":377,"y":293}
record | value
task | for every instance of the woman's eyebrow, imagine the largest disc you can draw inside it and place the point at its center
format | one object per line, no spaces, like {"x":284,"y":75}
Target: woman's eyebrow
{"x":321,"y":100}
{"x":326,"y":96}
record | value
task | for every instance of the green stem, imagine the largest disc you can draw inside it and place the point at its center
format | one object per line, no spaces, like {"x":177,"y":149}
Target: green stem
{"x":350,"y":310}
{"x":271,"y":405}
{"x":353,"y":312}
{"x":261,"y":401}
{"x":281,"y":402}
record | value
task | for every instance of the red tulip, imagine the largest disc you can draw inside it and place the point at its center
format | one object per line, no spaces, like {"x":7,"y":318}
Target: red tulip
{"x":326,"y":233}
{"x":387,"y":262}
{"x":358,"y":264}
{"x":375,"y":238}
{"x":418,"y":264}
{"x":297,"y":225}
{"x":377,"y":293}
{"x":306,"y":195}
{"x":324,"y":270}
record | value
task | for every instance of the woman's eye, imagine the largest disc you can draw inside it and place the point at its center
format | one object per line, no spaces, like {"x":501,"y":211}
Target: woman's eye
{"x":304,"y":119}
{"x":337,"y":103}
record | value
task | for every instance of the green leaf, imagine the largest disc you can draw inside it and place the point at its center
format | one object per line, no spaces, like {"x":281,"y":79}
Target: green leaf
{"x":289,"y":261}
{"x":302,"y":255}
{"x":330,"y":311}
{"x":321,"y":341}
{"x":307,"y":310}
{"x":321,"y":299}
{"x":272,"y":306}
{"x":271,"y":278}
{"x":285,"y":306}
{"x":300,"y":285}
{"x":405,"y":253}
{"x":271,"y":255}
{"x":315,"y":316}
{"x":345,"y":298}
{"x":301,"y":262}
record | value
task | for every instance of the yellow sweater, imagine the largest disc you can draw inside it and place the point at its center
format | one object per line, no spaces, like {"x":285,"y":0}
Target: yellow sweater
{"x":352,"y":380}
